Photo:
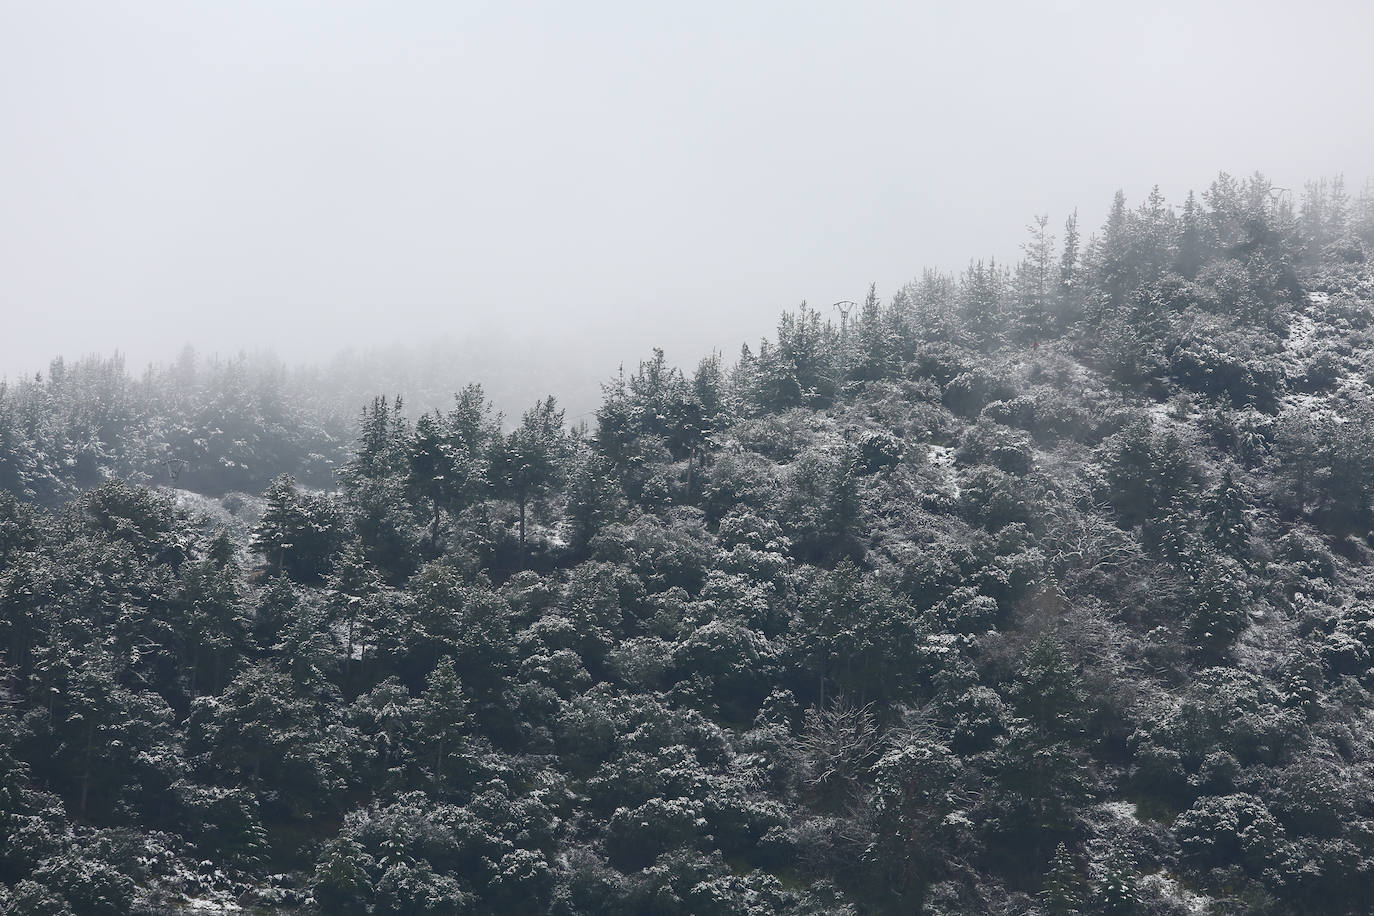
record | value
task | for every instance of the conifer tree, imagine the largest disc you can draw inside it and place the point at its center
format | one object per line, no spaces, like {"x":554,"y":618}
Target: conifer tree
{"x":1061,"y":891}
{"x":982,"y":289}
{"x":351,"y":584}
{"x":1227,"y":524}
{"x":430,"y":471}
{"x":1362,"y":215}
{"x":382,"y":436}
{"x":1191,"y":251}
{"x":1035,"y":282}
{"x":594,"y":497}
{"x":1111,"y":255}
{"x":298,"y":532}
{"x":441,"y":717}
{"x":1116,"y":891}
{"x":340,"y":883}
{"x":531,"y":458}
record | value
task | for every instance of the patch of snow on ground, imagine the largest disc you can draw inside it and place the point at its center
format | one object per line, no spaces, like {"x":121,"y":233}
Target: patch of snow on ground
{"x":206,"y":905}
{"x":1301,"y":330}
{"x":238,"y":512}
{"x":197,"y":504}
{"x":1313,"y":405}
{"x":942,"y":458}
{"x":1167,"y":886}
{"x":1160,"y":413}
{"x":1079,"y":372}
{"x":1123,"y":809}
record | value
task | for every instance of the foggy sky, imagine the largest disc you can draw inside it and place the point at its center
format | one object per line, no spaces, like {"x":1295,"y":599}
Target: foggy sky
{"x":314,"y":175}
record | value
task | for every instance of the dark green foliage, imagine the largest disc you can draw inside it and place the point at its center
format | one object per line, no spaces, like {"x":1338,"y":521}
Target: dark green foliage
{"x":594,"y":498}
{"x":1227,"y":527}
{"x":219,"y":426}
{"x":857,"y":637}
{"x":341,"y":883}
{"x":1061,"y":892}
{"x":969,"y":392}
{"x":529,"y":461}
{"x":299,"y":532}
{"x":1116,"y":887}
{"x":1219,"y":594}
{"x":1032,"y":590}
{"x":1145,"y":472}
{"x":1220,"y":830}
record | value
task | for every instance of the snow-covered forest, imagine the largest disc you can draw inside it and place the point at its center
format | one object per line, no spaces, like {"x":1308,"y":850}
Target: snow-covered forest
{"x":1046,"y":587}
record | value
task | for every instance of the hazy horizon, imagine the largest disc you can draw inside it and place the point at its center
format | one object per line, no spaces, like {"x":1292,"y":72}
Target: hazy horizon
{"x":308,"y":178}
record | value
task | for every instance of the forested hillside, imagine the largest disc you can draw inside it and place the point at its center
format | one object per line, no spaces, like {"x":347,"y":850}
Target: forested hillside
{"x":220,"y":425}
{"x":1036,"y":589}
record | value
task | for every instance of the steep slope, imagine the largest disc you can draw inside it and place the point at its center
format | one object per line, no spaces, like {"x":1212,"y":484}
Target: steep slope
{"x":1043,"y":590}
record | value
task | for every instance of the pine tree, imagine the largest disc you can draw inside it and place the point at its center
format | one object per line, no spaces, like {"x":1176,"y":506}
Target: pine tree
{"x":1111,"y":254}
{"x":1362,"y":214}
{"x":1153,"y":235}
{"x":470,"y":428}
{"x":352,"y":583}
{"x":704,"y":409}
{"x":1227,"y":524}
{"x":276,"y":608}
{"x":442,"y":718}
{"x":431,"y":472}
{"x":281,"y":521}
{"x":1061,"y":891}
{"x":843,"y":505}
{"x":531,"y":458}
{"x":1034,"y":282}
{"x":982,"y":289}
{"x":1047,"y":691}
{"x":593,"y":498}
{"x":298,"y":532}
{"x":1068,"y":294}
{"x":381,"y":447}
{"x":212,"y":625}
{"x":1226,"y":213}
{"x":340,"y":883}
{"x":1174,"y":532}
{"x":1116,"y":890}
{"x":1338,"y":210}
{"x":1219,"y":593}
{"x":1191,"y":251}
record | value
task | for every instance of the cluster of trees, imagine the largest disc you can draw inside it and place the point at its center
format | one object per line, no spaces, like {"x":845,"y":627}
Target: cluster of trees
{"x":217,"y":427}
{"x":1032,"y":590}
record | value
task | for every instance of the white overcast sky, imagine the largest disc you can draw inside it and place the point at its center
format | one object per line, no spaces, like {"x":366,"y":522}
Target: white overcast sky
{"x":609,"y":176}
